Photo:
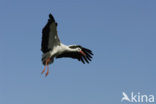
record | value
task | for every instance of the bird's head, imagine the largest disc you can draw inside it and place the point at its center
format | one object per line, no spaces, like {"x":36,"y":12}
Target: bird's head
{"x":80,"y":51}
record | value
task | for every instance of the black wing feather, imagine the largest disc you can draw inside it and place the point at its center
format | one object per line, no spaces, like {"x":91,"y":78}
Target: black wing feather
{"x":46,"y":34}
{"x":77,"y":55}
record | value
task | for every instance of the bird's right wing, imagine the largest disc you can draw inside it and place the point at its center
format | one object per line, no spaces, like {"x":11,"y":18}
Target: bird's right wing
{"x":49,"y":35}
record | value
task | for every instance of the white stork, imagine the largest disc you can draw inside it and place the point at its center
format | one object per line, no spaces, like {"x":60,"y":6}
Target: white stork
{"x":53,"y":48}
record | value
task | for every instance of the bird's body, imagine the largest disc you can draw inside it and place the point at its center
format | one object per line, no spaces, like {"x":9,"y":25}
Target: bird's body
{"x":53,"y":48}
{"x":57,"y":50}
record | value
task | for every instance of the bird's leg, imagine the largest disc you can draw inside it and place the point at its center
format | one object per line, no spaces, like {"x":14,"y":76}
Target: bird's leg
{"x":43,"y":70}
{"x":47,"y":71}
{"x":47,"y":66}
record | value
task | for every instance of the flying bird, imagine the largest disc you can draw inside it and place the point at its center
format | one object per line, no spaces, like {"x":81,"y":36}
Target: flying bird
{"x":51,"y":47}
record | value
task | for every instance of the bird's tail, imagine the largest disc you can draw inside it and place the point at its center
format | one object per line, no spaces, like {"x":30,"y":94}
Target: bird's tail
{"x":45,"y":56}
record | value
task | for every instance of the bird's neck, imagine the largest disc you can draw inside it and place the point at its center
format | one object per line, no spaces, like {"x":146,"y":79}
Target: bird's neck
{"x":67,"y":48}
{"x":72,"y":50}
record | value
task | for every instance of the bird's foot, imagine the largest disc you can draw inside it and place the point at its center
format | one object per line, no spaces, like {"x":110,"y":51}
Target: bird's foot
{"x":43,"y":70}
{"x":46,"y":74}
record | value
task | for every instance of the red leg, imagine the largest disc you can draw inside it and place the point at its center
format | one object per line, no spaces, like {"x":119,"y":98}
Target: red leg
{"x":47,"y":67}
{"x":43,"y":69}
{"x":47,"y":71}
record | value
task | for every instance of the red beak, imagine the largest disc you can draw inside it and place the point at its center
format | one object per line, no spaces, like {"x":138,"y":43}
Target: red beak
{"x":82,"y":53}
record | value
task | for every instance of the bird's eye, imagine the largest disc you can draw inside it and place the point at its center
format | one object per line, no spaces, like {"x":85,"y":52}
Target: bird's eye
{"x":78,"y":49}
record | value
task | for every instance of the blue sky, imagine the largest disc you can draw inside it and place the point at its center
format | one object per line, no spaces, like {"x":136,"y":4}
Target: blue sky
{"x":121,"y":34}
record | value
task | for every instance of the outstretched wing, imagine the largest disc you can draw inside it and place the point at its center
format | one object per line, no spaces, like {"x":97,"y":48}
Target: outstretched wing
{"x":49,"y":35}
{"x":77,"y":55}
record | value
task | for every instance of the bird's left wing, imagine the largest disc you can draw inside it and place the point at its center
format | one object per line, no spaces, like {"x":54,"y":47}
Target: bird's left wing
{"x":49,"y":35}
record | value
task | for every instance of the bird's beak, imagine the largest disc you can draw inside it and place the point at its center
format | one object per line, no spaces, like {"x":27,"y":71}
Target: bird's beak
{"x":82,"y":53}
